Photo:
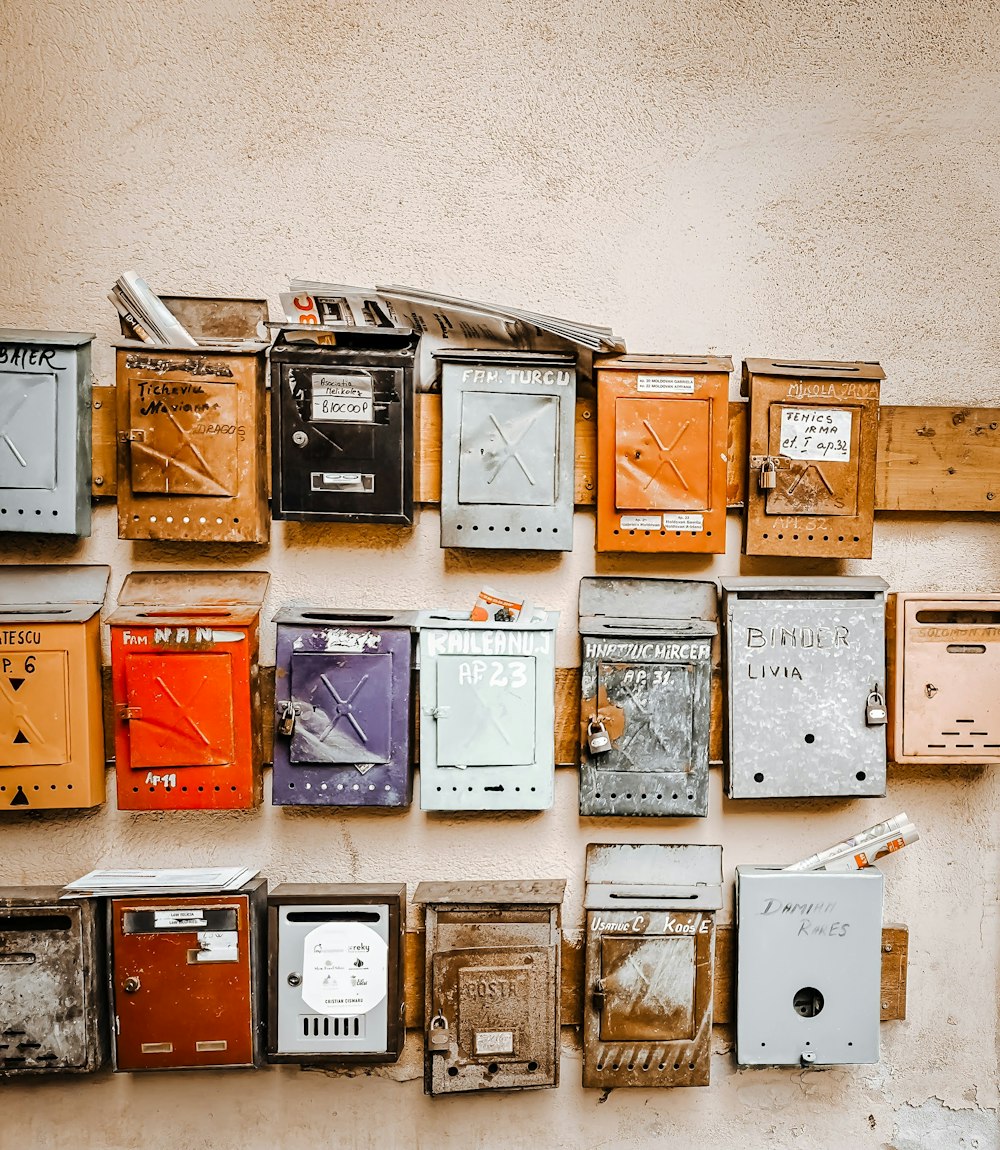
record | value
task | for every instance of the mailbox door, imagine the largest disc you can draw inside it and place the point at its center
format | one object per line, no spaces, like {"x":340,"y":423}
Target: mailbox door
{"x":28,"y":431}
{"x":34,"y":708}
{"x":509,"y":448}
{"x":501,"y":1009}
{"x":347,"y":708}
{"x":799,"y":675}
{"x":662,"y":454}
{"x":818,"y":452}
{"x":182,"y":983}
{"x":44,"y":999}
{"x":485,"y":711}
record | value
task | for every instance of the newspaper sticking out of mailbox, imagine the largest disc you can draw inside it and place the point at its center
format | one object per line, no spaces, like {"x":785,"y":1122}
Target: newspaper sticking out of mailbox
{"x":178,"y":880}
{"x":492,"y":607}
{"x":863,"y":849}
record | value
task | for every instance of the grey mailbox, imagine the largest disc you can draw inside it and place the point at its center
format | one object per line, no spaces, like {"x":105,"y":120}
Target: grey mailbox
{"x":806,"y":673}
{"x":809,"y":966}
{"x":45,"y":420}
{"x":646,"y":691}
{"x":507,"y":449}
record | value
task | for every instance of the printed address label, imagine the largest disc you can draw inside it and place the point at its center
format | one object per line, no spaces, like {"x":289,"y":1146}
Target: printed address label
{"x":684,"y":522}
{"x":641,"y":522}
{"x":179,"y":917}
{"x":820,"y":433}
{"x":494,"y":1042}
{"x":666,"y":384}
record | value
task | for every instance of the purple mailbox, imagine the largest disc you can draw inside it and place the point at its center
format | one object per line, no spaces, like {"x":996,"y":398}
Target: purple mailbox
{"x":342,"y":707}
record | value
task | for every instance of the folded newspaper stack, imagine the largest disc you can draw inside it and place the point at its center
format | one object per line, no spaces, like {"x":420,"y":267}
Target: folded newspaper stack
{"x":178,"y":880}
{"x":150,"y":319}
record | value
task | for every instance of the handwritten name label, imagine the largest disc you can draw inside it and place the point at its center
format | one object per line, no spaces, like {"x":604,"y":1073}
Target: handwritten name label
{"x":820,"y":433}
{"x":190,"y":365}
{"x":802,"y":389}
{"x":659,"y":652}
{"x":516,"y":376}
{"x":648,"y":924}
{"x":20,"y":638}
{"x":511,"y":673}
{"x":337,"y":639}
{"x":23,"y":355}
{"x":815,"y":919}
{"x":489,"y":642}
{"x":804,"y":638}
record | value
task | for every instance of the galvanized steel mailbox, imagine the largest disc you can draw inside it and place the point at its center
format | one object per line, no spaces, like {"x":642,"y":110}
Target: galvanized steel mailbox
{"x":662,"y":434}
{"x":186,"y":690}
{"x":342,"y":424}
{"x":191,"y":428}
{"x":487,"y":714}
{"x":342,"y":707}
{"x":806,"y":674}
{"x":809,"y":967}
{"x":51,"y":709}
{"x":491,"y":985}
{"x":53,"y":1017}
{"x":650,"y":964}
{"x":507,"y":449}
{"x":944,"y":670}
{"x":646,"y":695}
{"x":45,"y":421}
{"x":812,"y":447}
{"x":336,"y":973}
{"x":188,"y":979}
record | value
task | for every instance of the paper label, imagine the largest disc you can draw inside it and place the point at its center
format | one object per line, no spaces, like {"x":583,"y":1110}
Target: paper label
{"x":822,"y":433}
{"x":494,"y":1042}
{"x":342,"y":398}
{"x":666,"y":384}
{"x":344,"y":968}
{"x":685,"y":522}
{"x":218,"y":946}
{"x":178,"y":917}
{"x":640,"y":522}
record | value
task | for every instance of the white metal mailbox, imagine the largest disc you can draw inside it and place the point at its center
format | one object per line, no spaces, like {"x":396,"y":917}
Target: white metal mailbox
{"x":809,"y":966}
{"x":487,"y":713}
{"x":806,"y":674}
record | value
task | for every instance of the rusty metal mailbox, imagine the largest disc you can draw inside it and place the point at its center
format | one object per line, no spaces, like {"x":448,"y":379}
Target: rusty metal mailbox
{"x":342,"y":424}
{"x":944,"y":670}
{"x":53,"y":1017}
{"x":646,"y":695}
{"x":186,"y":690}
{"x":487,"y":713}
{"x":342,"y":707}
{"x":45,"y":420}
{"x":806,"y":674}
{"x":812,"y":448}
{"x":188,"y":979}
{"x":809,"y":967}
{"x":650,"y":964}
{"x":507,"y":449}
{"x":491,"y":984}
{"x":191,"y":428}
{"x":51,"y":722}
{"x":662,"y":433}
{"x":336,"y":973}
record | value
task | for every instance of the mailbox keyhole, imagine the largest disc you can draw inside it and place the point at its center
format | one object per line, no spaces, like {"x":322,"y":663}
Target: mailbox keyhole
{"x":808,"y":1002}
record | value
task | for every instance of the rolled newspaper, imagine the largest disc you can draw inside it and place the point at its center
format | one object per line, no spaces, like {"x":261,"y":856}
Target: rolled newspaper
{"x":877,"y":838}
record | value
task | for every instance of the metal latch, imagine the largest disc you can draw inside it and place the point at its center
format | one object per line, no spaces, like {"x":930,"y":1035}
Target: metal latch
{"x":126,"y":713}
{"x":133,"y":436}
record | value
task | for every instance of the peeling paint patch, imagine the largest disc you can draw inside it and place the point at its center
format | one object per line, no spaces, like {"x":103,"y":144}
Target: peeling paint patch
{"x":932,"y":1125}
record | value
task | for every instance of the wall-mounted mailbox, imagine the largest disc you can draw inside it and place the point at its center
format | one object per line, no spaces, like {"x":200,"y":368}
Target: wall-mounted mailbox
{"x":944,"y":667}
{"x":53,"y":1018}
{"x":646,"y":687}
{"x":662,"y":433}
{"x":813,"y":444}
{"x":342,"y":424}
{"x":188,"y":979}
{"x":45,"y":419}
{"x":51,"y":723}
{"x":184,"y":648}
{"x":191,"y":428}
{"x":487,"y":713}
{"x":806,"y":675}
{"x":650,"y":964}
{"x":507,"y":449}
{"x":809,"y":967}
{"x":336,"y":973}
{"x":492,"y":981}
{"x":342,"y":707}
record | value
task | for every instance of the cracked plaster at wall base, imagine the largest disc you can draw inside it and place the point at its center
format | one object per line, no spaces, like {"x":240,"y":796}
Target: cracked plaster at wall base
{"x":934,"y":1126}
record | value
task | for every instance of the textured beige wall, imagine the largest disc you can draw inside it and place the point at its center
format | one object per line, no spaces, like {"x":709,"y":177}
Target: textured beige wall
{"x":798,"y":178}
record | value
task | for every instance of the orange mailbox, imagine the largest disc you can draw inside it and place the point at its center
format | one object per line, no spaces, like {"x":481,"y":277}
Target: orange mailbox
{"x":51,"y":725}
{"x":186,"y":690}
{"x":662,"y":429}
{"x":944,"y":667}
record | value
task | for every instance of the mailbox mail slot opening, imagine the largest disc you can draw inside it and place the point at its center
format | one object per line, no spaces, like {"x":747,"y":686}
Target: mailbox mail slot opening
{"x":509,"y":448}
{"x":653,"y":704}
{"x":35,"y":923}
{"x":649,"y":988}
{"x":663,"y":453}
{"x":511,"y":915}
{"x":188,"y":920}
{"x":346,"y":702}
{"x":333,"y":916}
{"x":335,"y":617}
{"x":959,"y":618}
{"x":486,"y":711}
{"x":187,"y":613}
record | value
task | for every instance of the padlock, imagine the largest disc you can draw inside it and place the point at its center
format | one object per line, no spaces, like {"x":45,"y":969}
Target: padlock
{"x":599,"y":998}
{"x":439,"y":1038}
{"x":875,"y":712}
{"x":598,"y":739}
{"x":768,"y":475}
{"x":286,"y":724}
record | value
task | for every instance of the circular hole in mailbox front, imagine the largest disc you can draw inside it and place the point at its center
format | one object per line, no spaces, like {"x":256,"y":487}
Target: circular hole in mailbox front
{"x":493,"y":1067}
{"x":810,"y":738}
{"x":453,"y":1071}
{"x":808,"y":1001}
{"x":759,"y":777}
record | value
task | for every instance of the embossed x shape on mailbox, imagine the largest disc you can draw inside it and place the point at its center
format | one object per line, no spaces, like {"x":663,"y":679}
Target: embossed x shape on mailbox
{"x":509,"y":444}
{"x":662,"y":454}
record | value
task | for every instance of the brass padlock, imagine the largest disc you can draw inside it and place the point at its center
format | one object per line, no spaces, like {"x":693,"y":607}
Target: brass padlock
{"x":439,"y":1036}
{"x":598,"y":998}
{"x":768,"y":477}
{"x":598,"y":739}
{"x":875,"y":712}
{"x":286,"y":724}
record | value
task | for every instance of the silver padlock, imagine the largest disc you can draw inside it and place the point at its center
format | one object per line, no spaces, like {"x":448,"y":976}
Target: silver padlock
{"x":768,"y":477}
{"x":598,"y":739}
{"x":286,"y":723}
{"x":875,"y":712}
{"x":439,"y":1037}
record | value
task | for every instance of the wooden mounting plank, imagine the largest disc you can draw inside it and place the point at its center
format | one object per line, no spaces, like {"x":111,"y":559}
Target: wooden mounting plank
{"x":104,"y":443}
{"x":895,"y":958}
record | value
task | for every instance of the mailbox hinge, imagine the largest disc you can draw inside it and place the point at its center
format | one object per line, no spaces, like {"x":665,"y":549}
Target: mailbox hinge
{"x":133,"y":436}
{"x":126,"y":713}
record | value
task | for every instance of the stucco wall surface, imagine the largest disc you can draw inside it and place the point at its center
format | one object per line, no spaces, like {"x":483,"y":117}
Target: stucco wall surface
{"x":813,"y":179}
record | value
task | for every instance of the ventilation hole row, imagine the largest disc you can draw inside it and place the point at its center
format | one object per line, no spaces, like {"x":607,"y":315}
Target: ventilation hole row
{"x":496,"y":788}
{"x":185,"y":519}
{"x":20,"y":511}
{"x":629,"y":795}
{"x":37,"y":787}
{"x":677,"y":533}
{"x":475,"y":527}
{"x":826,"y":538}
{"x":341,"y":786}
{"x":135,"y":790}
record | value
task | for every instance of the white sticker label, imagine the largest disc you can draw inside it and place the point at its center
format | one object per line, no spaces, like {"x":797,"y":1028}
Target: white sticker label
{"x":342,"y":398}
{"x":218,"y":946}
{"x":816,"y":433}
{"x":640,"y":522}
{"x":494,"y":1042}
{"x":685,"y":522}
{"x":195,"y":917}
{"x":666,"y":384}
{"x":344,"y":968}
{"x":342,"y":477}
